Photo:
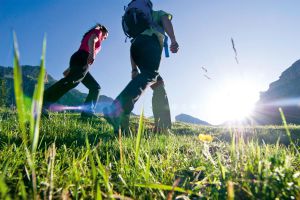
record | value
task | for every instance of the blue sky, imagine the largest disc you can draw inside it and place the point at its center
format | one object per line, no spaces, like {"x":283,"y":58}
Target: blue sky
{"x":266,"y":35}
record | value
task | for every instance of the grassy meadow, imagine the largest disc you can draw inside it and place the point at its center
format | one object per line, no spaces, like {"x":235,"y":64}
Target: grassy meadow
{"x":78,"y":159}
{"x":66,"y":158}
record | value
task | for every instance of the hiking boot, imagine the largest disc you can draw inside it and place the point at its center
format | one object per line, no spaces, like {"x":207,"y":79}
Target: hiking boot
{"x":86,"y":115}
{"x":120,"y":122}
{"x":112,"y":120}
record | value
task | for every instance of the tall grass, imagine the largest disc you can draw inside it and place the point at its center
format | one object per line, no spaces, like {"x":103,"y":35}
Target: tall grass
{"x":30,"y":114}
{"x":287,"y":130}
{"x":18,"y":87}
{"x":139,"y":137}
{"x":37,"y":102}
{"x":4,"y":190}
{"x":87,"y":165}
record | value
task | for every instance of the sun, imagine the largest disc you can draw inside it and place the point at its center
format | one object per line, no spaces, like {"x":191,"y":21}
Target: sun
{"x":233,"y":101}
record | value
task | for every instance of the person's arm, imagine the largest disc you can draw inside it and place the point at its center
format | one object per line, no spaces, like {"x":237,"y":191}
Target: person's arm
{"x":134,"y":69}
{"x":168,"y":27}
{"x":92,"y":41}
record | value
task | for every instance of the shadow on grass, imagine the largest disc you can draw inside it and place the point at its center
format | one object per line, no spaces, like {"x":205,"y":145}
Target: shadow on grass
{"x":69,"y":131}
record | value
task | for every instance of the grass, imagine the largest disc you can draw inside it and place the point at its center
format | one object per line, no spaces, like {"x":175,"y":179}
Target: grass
{"x":29,"y":110}
{"x":74,"y":159}
{"x":82,"y":160}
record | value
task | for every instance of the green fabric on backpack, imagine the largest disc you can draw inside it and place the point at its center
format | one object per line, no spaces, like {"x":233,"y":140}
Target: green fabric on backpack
{"x":157,"y":15}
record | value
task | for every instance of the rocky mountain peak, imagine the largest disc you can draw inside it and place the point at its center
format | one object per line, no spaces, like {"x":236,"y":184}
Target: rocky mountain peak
{"x":282,"y":93}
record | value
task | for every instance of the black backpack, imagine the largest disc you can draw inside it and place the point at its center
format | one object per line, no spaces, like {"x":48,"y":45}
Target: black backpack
{"x":137,"y":17}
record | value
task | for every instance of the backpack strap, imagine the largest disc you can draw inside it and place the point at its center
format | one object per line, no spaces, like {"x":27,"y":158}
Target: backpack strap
{"x":167,"y":55}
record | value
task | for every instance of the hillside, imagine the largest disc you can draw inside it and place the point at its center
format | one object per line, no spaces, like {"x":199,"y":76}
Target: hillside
{"x":189,"y":119}
{"x":30,"y":74}
{"x":284,"y":93}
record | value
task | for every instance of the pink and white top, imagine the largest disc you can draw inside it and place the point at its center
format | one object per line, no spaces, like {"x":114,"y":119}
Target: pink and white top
{"x":85,"y":42}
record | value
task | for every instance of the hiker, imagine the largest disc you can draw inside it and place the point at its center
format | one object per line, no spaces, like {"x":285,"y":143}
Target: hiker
{"x":146,"y":28}
{"x":78,"y":71}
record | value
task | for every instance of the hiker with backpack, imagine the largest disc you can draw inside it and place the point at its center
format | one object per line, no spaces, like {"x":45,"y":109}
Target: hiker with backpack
{"x":78,"y":71}
{"x":147,"y":29}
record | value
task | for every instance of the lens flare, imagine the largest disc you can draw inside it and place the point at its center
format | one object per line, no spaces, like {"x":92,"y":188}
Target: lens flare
{"x":284,"y":102}
{"x":59,"y":108}
{"x":233,"y":101}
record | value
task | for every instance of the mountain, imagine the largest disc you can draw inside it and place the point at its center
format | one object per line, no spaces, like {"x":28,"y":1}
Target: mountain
{"x":29,"y":75}
{"x":189,"y":119}
{"x":284,"y":93}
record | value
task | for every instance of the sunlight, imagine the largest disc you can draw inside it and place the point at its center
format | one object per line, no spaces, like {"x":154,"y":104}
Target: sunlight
{"x":234,"y":101}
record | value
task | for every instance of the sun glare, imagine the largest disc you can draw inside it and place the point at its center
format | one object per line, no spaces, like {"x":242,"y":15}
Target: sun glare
{"x":234,"y":101}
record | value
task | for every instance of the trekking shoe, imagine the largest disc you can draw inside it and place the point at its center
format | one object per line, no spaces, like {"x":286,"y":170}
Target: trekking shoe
{"x":86,"y":115}
{"x":117,"y":122}
{"x":113,"y":121}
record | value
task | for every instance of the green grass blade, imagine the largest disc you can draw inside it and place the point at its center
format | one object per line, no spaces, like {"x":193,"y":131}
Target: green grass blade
{"x":285,"y":124}
{"x":287,"y":130}
{"x":18,"y":89}
{"x":38,"y":98}
{"x":32,"y":115}
{"x":22,"y":188}
{"x":4,"y":190}
{"x":121,"y":149}
{"x":51,"y":169}
{"x":222,"y":168}
{"x":104,"y":174}
{"x":232,"y":148}
{"x":147,"y":171}
{"x":92,"y":162}
{"x":139,"y":137}
{"x":165,"y":187}
{"x":98,"y":192}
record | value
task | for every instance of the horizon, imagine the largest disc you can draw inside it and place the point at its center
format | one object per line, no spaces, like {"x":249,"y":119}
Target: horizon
{"x":203,"y":72}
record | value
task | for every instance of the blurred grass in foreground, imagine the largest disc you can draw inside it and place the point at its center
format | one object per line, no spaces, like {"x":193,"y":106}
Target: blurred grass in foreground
{"x":87,"y":162}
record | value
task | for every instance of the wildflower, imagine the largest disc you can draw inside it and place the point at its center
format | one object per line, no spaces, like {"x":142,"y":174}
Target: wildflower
{"x":205,"y":138}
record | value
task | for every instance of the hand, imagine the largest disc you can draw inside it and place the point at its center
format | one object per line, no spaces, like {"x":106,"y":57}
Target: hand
{"x":134,"y":73}
{"x":174,"y":47}
{"x":66,"y":72}
{"x":90,"y":59}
